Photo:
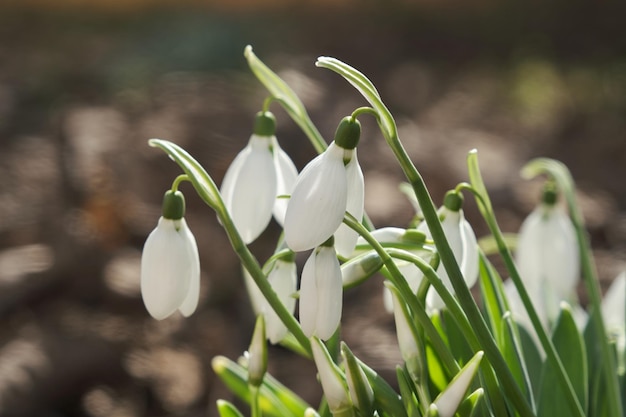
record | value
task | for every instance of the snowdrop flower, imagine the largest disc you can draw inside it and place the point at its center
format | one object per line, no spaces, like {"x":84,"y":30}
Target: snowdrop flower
{"x":170,"y":266}
{"x":462,"y":241}
{"x":332,"y":381}
{"x":547,"y":257}
{"x":283,"y":280}
{"x":260,"y":172}
{"x":321,"y":293}
{"x":327,"y":187}
{"x":614,"y":311}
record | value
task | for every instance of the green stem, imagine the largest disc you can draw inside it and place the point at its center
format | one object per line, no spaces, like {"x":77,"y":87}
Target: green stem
{"x":505,"y":253}
{"x":178,"y":180}
{"x":416,"y":306}
{"x":255,"y":407}
{"x":563,"y":178}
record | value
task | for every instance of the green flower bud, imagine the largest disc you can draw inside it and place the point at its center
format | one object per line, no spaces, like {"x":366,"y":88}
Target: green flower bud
{"x":173,"y":205}
{"x":348,"y":133}
{"x":264,"y":124}
{"x":453,"y":200}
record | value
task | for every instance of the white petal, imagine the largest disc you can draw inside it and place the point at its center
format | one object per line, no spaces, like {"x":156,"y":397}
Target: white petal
{"x":318,"y":202}
{"x":286,"y":176}
{"x":547,"y":252}
{"x":308,"y":296}
{"x":329,"y":292}
{"x":282,"y":278}
{"x":249,"y":188}
{"x":614,"y":311}
{"x":469,"y":262}
{"x":190,"y":303}
{"x":451,"y":225}
{"x":406,"y":340}
{"x":345,"y":237}
{"x":257,"y":299}
{"x":165,"y":270}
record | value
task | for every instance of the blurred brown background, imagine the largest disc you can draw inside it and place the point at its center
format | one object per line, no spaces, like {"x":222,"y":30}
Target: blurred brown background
{"x":83,"y":85}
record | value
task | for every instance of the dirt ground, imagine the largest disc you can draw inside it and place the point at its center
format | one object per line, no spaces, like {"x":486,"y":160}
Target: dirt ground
{"x":80,"y":95}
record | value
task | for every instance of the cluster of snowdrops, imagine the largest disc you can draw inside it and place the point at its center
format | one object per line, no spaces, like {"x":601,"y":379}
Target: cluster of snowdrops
{"x":524,"y":348}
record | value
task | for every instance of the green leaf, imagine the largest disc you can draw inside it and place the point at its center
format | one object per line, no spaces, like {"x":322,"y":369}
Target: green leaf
{"x":532,"y":358}
{"x":386,"y":400}
{"x":408,"y":395}
{"x":366,"y":88}
{"x":494,"y":302}
{"x":471,"y":405}
{"x":513,"y":352}
{"x":202,"y":182}
{"x":456,"y":340}
{"x":287,"y":98}
{"x":227,"y":409}
{"x":569,"y":345}
{"x":275,"y":399}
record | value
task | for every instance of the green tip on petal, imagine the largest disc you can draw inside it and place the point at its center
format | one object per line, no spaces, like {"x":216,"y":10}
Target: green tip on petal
{"x":173,"y":205}
{"x":348,"y":133}
{"x":264,"y":124}
{"x":453,"y":200}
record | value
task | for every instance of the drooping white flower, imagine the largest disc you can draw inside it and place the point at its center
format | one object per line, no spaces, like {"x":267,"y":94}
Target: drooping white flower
{"x":283,"y":279}
{"x":614,"y":312}
{"x":328,"y":186}
{"x":258,"y":174}
{"x":249,"y":188}
{"x":547,"y":259}
{"x":462,"y":241}
{"x":170,"y":265}
{"x":321,"y":293}
{"x":286,"y":176}
{"x":345,"y":237}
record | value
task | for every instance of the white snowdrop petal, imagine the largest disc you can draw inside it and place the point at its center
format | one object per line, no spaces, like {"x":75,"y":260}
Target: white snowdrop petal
{"x":308,"y":296}
{"x":318,"y":201}
{"x":329,"y":292}
{"x":345,"y":237}
{"x":165,"y":270}
{"x":286,"y":176}
{"x":562,"y":260}
{"x":283,"y":281}
{"x":470,"y":260}
{"x":406,"y":341}
{"x":614,"y":303}
{"x":257,"y":299}
{"x":190,"y":302}
{"x":547,"y":252}
{"x":528,"y":256}
{"x":451,"y":225}
{"x":249,"y":193}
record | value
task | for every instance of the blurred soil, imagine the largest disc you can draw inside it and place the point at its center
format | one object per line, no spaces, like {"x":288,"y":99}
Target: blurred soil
{"x":81,"y":94}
